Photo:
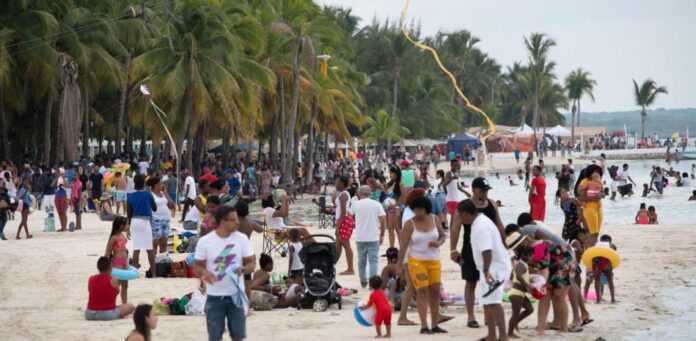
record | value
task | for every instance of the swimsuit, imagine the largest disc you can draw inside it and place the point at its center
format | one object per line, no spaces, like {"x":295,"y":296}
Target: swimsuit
{"x":117,"y":262}
{"x":592,"y":213}
{"x":517,"y":292}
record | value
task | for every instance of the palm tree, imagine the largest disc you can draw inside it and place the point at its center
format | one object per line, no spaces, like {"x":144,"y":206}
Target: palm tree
{"x":383,"y":128}
{"x":645,"y":96}
{"x":538,"y":46}
{"x":577,"y":84}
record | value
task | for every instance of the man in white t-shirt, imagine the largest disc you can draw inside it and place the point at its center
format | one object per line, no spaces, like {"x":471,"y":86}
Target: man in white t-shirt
{"x":370,"y":221}
{"x":143,"y":165}
{"x":222,"y":259}
{"x":189,"y":192}
{"x":623,"y":178}
{"x":493,"y":263}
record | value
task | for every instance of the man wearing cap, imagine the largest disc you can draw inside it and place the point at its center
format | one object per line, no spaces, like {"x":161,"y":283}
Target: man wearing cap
{"x":470,"y":273}
{"x":408,"y":177}
{"x":370,"y":223}
{"x":492,"y":263}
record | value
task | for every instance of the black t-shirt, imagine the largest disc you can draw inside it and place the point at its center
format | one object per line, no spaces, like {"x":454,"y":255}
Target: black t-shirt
{"x":83,"y":180}
{"x":489,"y":211}
{"x":96,"y":180}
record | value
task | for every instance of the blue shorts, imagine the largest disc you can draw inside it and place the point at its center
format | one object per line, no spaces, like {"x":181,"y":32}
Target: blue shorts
{"x":217,"y":308}
{"x":172,"y":196}
{"x":102,"y":315}
{"x":160,"y":228}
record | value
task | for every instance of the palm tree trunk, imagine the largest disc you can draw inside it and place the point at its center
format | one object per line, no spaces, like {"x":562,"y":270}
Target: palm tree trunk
{"x":85,"y":124}
{"x":310,"y":143}
{"x":188,"y":111}
{"x":578,"y":112}
{"x":3,"y":121}
{"x":572,"y":122}
{"x":287,"y":161}
{"x":326,"y":145}
{"x":122,"y":107}
{"x":283,"y":128}
{"x":129,"y":140}
{"x":48,"y":105}
{"x":275,"y":125}
{"x":643,"y":115}
{"x":395,"y":92}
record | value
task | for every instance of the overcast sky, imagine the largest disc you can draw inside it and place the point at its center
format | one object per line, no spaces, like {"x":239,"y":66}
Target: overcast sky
{"x":616,"y":41}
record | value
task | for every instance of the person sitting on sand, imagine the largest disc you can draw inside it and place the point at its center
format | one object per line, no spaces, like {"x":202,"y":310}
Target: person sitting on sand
{"x":261,"y":281}
{"x":103,"y":289}
{"x":511,"y":182}
{"x":647,"y":190}
{"x":105,"y":211}
{"x":378,"y":299}
{"x":145,"y":319}
{"x":693,"y":196}
{"x":642,"y":217}
{"x":211,"y":206}
{"x":652,"y":215}
{"x":602,"y":269}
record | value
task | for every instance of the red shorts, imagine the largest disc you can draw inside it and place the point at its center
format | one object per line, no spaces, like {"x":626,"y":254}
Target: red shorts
{"x":61,"y":205}
{"x":452,"y":207}
{"x":600,"y":265}
{"x":383,"y":317}
{"x":537,"y":210}
{"x":346,"y":229}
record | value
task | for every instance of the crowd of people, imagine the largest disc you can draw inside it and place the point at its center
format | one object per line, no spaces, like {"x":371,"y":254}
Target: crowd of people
{"x":404,"y":208}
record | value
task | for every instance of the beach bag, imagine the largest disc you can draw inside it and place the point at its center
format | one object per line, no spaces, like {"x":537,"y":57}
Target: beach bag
{"x":261,"y":301}
{"x":179,"y":270}
{"x":163,"y":269}
{"x":196,"y":306}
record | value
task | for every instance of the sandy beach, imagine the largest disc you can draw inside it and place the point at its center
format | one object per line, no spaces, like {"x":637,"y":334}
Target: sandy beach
{"x":44,"y":281}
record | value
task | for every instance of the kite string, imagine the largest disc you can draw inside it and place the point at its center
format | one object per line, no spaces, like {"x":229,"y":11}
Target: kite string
{"x":436,"y":56}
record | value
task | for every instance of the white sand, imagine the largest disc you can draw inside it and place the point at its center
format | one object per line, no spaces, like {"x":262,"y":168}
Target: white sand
{"x":43,"y":284}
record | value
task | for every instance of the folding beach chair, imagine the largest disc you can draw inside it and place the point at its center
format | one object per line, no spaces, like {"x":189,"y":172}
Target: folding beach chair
{"x":326,"y":217}
{"x":275,"y":241}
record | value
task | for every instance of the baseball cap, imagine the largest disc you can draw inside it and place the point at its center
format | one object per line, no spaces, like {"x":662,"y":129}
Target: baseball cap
{"x":404,"y":162}
{"x":481,"y":183}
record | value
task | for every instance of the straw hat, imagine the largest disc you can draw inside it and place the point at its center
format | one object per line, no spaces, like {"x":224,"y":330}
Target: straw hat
{"x":514,"y":240}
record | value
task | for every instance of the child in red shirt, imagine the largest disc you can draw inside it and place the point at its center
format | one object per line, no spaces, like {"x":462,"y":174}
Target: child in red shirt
{"x":384,"y":310}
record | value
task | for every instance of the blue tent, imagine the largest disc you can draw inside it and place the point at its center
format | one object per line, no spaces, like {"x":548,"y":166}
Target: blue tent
{"x":457,"y":143}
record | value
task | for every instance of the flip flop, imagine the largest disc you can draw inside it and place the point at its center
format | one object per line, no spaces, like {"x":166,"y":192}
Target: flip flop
{"x":575,"y":329}
{"x":473,"y":324}
{"x":444,"y":318}
{"x":492,"y":287}
{"x":586,"y":321}
{"x":406,"y":323}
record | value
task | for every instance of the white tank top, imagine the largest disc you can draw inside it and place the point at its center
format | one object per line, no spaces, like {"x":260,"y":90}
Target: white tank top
{"x":296,"y":261}
{"x":452,"y":191}
{"x":418,"y":246}
{"x":337,"y":203}
{"x":162,"y":209}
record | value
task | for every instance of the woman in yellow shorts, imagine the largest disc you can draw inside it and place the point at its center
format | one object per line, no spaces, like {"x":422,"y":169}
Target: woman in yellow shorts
{"x":592,"y":211}
{"x":422,"y":237}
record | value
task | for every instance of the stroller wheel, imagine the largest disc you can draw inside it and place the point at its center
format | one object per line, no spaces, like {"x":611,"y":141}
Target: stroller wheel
{"x":320,"y":305}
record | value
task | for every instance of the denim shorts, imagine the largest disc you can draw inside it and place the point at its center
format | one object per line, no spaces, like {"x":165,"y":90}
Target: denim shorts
{"x":160,"y":228}
{"x":102,"y":315}
{"x":217,"y":308}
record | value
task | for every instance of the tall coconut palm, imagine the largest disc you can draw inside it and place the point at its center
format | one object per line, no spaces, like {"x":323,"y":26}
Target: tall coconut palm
{"x":577,"y":84}
{"x":383,"y":128}
{"x":645,"y":96}
{"x":538,"y":46}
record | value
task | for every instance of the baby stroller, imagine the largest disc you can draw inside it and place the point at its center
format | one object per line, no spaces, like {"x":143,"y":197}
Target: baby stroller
{"x":319,"y":275}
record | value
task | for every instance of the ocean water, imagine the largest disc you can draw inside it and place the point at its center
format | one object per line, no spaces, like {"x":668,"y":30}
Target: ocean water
{"x":681,"y":325}
{"x":672,"y":207}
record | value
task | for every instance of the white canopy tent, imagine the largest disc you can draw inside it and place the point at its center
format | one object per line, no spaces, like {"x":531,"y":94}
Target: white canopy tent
{"x":525,"y":130}
{"x":559,"y":131}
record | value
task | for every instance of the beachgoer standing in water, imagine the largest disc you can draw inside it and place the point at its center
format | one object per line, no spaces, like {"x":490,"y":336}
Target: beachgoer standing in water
{"x":537,"y":195}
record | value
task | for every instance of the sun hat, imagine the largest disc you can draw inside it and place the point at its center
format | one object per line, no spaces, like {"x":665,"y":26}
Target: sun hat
{"x":514,"y":240}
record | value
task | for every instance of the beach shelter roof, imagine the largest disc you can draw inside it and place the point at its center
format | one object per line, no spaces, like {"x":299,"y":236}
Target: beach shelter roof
{"x":559,"y":131}
{"x":524,"y":130}
{"x":457,"y":143}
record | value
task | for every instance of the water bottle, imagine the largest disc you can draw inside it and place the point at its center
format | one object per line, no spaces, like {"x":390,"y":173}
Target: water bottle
{"x":50,"y":223}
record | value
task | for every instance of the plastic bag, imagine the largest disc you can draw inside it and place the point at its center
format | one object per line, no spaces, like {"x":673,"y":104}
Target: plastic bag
{"x":196,"y":306}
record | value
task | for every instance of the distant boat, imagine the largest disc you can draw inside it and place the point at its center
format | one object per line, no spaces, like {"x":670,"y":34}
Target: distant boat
{"x":688,"y":156}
